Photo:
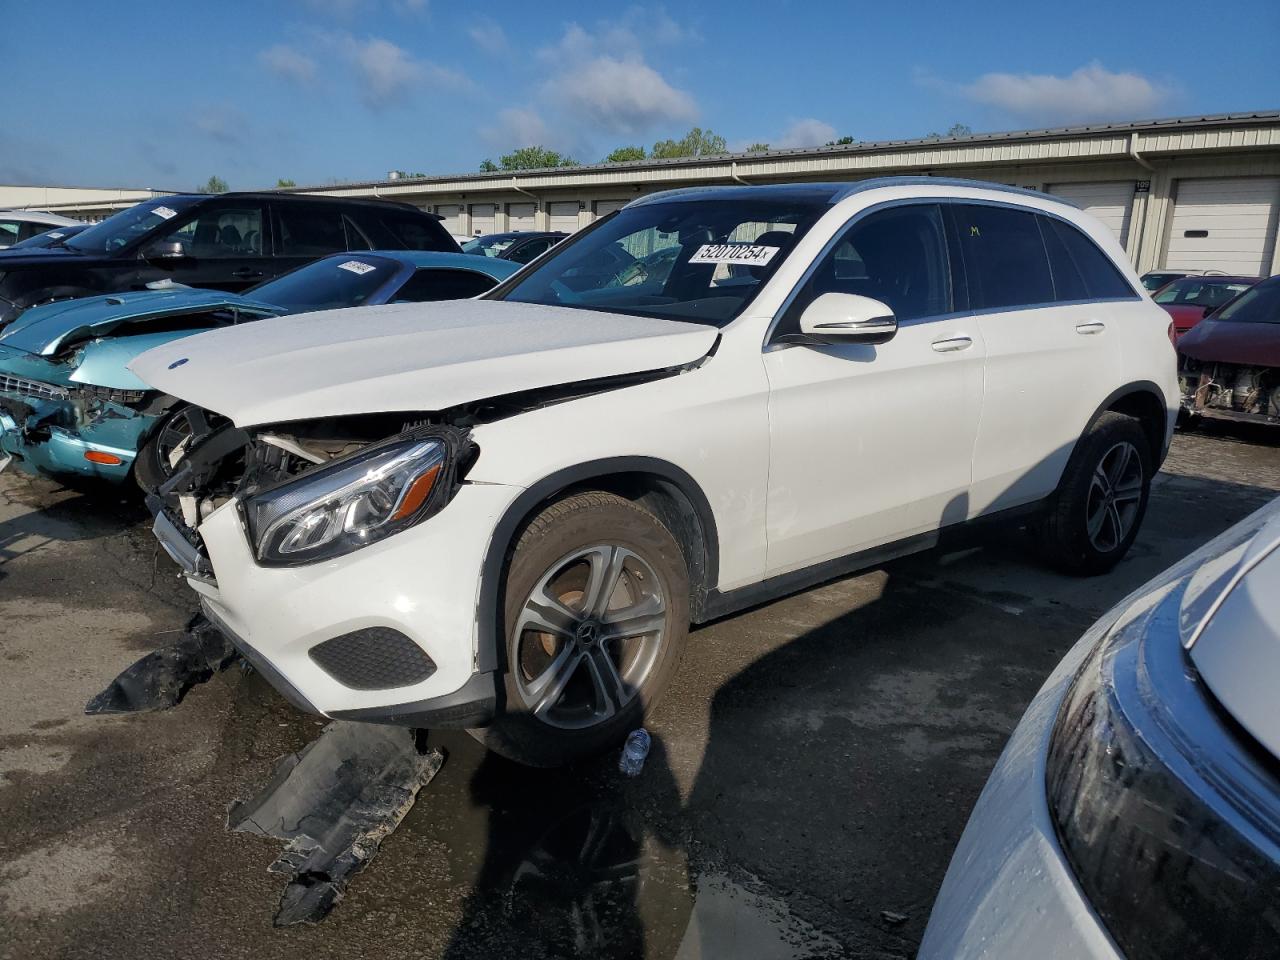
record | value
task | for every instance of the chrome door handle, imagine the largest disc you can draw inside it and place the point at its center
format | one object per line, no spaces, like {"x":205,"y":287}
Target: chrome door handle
{"x":952,"y":344}
{"x":1093,"y":326}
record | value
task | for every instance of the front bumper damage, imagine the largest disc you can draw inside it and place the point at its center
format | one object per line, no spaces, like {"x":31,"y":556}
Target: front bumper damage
{"x":387,"y":633}
{"x":1229,"y":391}
{"x":53,"y":430}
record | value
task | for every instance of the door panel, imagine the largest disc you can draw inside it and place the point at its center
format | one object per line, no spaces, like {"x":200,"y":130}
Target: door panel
{"x":1052,"y":356}
{"x":228,"y":245}
{"x":870,"y":444}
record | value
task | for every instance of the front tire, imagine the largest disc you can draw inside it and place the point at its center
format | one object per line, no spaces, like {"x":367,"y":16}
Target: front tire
{"x":595,"y":616}
{"x":1099,"y":505}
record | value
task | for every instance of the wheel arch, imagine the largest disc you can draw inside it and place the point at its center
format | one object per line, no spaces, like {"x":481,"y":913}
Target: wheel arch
{"x":1145,"y":402}
{"x":663,"y":488}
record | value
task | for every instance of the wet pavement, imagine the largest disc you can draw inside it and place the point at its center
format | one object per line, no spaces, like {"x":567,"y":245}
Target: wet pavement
{"x":813,"y":765}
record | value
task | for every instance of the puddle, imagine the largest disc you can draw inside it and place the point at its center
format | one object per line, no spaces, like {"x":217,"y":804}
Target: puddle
{"x":578,"y":864}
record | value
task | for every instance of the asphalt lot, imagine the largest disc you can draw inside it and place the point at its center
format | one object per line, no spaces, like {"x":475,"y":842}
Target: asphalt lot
{"x":815,"y":762}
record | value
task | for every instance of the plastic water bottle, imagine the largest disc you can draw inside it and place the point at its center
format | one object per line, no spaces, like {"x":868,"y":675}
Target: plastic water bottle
{"x":633,"y":753}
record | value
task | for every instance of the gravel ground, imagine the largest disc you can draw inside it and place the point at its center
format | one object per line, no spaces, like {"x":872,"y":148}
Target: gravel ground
{"x":815,"y":761}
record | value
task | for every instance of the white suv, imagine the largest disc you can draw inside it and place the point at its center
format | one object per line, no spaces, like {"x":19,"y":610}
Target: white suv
{"x":504,"y":513}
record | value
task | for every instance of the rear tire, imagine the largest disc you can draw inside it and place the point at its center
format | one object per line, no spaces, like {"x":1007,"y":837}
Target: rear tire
{"x":594,"y":620}
{"x":1100,"y":502}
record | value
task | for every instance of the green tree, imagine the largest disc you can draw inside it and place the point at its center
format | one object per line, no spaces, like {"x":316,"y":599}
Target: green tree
{"x":623,"y":154}
{"x":282,"y":182}
{"x":839,"y":143}
{"x":528,"y":158}
{"x":696,"y":143}
{"x":757,"y":148}
{"x":214,"y":184}
{"x":955,"y":130}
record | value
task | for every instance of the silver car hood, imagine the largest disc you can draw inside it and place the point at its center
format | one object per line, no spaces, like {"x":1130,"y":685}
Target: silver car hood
{"x":408,"y":357}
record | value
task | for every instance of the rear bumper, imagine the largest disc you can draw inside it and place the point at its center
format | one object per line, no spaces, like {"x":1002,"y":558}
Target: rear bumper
{"x":422,"y":584}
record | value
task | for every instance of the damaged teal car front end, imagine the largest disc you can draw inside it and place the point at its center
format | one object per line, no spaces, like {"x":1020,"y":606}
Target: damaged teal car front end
{"x":68,"y":403}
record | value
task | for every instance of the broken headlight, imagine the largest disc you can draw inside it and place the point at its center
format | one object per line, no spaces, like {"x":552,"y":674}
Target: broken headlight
{"x":347,"y":504}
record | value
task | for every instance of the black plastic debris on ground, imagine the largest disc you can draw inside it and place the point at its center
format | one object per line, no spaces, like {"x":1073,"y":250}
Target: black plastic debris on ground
{"x":162,"y":678}
{"x":334,"y":802}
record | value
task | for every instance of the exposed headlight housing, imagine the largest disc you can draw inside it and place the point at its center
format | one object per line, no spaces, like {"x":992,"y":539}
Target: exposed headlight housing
{"x":351,"y":502}
{"x":1168,"y":813}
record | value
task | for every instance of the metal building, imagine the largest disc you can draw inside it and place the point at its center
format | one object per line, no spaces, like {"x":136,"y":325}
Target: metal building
{"x":1196,"y":192}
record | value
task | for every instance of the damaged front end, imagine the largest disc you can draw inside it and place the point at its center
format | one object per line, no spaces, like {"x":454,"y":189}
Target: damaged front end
{"x":51,"y":425}
{"x":1229,"y":391}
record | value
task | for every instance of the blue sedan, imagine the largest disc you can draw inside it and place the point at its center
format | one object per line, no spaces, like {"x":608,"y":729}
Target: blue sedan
{"x":68,"y":403}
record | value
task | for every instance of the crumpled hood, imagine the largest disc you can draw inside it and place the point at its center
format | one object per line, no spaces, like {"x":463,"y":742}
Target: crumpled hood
{"x":1231,"y":341}
{"x":409,"y":357}
{"x":44,"y":330}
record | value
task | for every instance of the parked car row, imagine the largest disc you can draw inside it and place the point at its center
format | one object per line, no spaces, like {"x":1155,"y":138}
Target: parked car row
{"x":21,"y":227}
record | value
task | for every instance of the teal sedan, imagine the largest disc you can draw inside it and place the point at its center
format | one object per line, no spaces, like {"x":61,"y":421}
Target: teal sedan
{"x":70,"y":405}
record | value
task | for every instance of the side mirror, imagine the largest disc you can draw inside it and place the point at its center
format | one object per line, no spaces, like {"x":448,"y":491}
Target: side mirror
{"x":165,"y":250}
{"x":848,"y":318}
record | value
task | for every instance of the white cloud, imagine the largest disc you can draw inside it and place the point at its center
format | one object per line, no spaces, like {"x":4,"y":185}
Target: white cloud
{"x":1090,"y":93}
{"x":488,"y":35}
{"x":518,"y":127}
{"x":388,"y":73}
{"x":806,"y":133}
{"x":284,"y":61}
{"x":620,"y":96}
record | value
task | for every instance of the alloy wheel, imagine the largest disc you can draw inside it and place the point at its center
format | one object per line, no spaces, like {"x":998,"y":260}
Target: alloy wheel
{"x":588,"y":636}
{"x":1115,"y":497}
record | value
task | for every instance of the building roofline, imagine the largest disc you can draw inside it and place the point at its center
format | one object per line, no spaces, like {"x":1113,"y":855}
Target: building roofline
{"x":863,"y":147}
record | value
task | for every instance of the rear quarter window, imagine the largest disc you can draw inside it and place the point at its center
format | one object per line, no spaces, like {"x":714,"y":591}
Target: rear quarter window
{"x":438,"y":283}
{"x":394,"y":229}
{"x":1081,"y":271}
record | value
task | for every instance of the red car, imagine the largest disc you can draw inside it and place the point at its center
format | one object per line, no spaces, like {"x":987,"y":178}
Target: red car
{"x":1188,"y":299}
{"x":1229,"y":365}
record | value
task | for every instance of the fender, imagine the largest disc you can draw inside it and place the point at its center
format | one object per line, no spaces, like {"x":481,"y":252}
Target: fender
{"x":1130,"y":389}
{"x":489,"y":645}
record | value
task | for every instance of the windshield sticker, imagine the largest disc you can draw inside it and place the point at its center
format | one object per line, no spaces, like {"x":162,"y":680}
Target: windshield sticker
{"x":165,"y":212}
{"x":54,"y":234}
{"x":747,"y":253}
{"x":355,"y":266}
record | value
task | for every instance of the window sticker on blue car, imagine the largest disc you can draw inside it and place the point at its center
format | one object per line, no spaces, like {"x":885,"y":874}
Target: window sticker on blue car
{"x":165,"y":212}
{"x":747,"y":253}
{"x":54,"y":234}
{"x":355,"y":266}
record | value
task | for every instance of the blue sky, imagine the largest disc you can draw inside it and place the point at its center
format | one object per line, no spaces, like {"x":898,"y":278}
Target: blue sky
{"x":164,"y":94}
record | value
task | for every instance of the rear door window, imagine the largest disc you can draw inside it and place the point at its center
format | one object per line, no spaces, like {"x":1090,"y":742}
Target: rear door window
{"x":1005,"y":260}
{"x":1080,"y":270}
{"x":438,"y":283}
{"x":310,"y":230}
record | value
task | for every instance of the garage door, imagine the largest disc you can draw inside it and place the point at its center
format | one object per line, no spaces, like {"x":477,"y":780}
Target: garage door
{"x":483,"y":217}
{"x":564,"y":216}
{"x":1227,"y":225}
{"x":604,"y":207}
{"x":521,"y":216}
{"x":452,"y":213}
{"x":1111,"y":201}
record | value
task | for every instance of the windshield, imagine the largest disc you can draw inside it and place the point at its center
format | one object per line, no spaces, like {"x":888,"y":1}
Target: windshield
{"x":50,"y":238}
{"x":341,"y":281}
{"x":1200,"y":292}
{"x":129,"y":225}
{"x":489,"y":246}
{"x":695,"y":260}
{"x":1259,"y":304}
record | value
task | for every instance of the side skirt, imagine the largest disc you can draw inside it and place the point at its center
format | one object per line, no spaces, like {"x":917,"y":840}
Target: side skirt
{"x":954,"y":537}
